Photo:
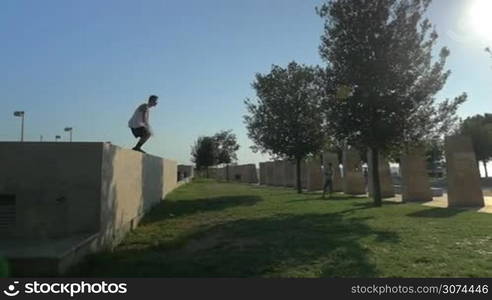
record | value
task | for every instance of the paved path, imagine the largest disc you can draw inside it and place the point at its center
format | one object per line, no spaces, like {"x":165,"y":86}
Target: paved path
{"x":443,"y":202}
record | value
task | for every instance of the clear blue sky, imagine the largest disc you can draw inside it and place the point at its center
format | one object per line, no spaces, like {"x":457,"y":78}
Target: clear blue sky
{"x":88,"y":64}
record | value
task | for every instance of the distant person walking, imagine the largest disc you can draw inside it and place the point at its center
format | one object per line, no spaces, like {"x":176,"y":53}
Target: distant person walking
{"x":328,"y":180}
{"x":139,"y":123}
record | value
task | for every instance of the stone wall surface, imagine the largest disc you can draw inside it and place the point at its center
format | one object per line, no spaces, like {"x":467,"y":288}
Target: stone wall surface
{"x":290,"y":173}
{"x":262,"y":173}
{"x":353,"y":178}
{"x":314,"y":174}
{"x":269,"y":173}
{"x":185,"y":171}
{"x":64,"y":193}
{"x":415,"y":180}
{"x":464,"y":187}
{"x":278,"y":173}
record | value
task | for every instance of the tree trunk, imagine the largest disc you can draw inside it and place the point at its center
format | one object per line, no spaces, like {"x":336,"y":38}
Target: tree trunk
{"x":207,"y":172}
{"x":485,"y":168}
{"x":227,"y":172}
{"x":298,"y":175}
{"x":376,"y":187}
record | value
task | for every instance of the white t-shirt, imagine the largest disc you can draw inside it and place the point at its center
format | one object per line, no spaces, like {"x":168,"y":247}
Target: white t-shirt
{"x":140,"y":116}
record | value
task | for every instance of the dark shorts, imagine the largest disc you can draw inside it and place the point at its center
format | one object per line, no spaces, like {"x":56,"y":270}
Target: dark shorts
{"x":139,"y":132}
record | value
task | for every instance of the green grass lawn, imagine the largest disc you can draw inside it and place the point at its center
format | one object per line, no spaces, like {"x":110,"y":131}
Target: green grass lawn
{"x":210,"y":229}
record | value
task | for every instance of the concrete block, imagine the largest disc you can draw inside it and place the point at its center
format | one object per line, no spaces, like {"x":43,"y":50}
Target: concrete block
{"x":464,"y":188}
{"x":314,"y":175}
{"x":62,"y":190}
{"x":290,"y":173}
{"x":353,"y":179}
{"x":185,"y":171}
{"x":243,"y":173}
{"x":262,"y":173}
{"x":269,"y":173}
{"x":278,"y":173}
{"x":415,"y":180}
{"x":386,"y":183}
{"x":304,"y":174}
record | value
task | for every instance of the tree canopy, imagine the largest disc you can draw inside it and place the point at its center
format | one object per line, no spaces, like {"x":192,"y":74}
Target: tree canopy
{"x":285,"y":120}
{"x":204,"y":153}
{"x":479,"y":128}
{"x":227,"y":146}
{"x":381,"y":76}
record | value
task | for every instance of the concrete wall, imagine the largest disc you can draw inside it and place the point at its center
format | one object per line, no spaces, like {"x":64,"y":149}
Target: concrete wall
{"x":463,"y":176}
{"x":353,"y":179}
{"x":290,"y":174}
{"x":64,"y":190}
{"x":262,"y":173}
{"x":185,"y":171}
{"x":269,"y":173}
{"x":314,"y":174}
{"x":244,"y":173}
{"x":240,"y":173}
{"x":278,"y":173}
{"x":132,"y":184}
{"x":56,"y":187}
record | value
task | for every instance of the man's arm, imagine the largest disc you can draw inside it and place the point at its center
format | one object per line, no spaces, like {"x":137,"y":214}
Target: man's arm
{"x":144,"y":110}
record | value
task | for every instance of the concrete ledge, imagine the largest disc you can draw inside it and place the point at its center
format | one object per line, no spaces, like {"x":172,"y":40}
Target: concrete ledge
{"x":46,"y":258}
{"x":55,"y":196}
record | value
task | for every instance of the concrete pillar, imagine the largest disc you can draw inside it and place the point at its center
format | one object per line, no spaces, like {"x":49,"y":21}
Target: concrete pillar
{"x":385,"y":180}
{"x":464,"y":187}
{"x":415,"y":180}
{"x":353,"y":179}
{"x":290,"y":173}
{"x":279,"y":173}
{"x":304,"y":174}
{"x":269,"y":173}
{"x":332,"y":158}
{"x":234,"y":173}
{"x":314,"y":175}
{"x":250,"y":175}
{"x":262,"y":173}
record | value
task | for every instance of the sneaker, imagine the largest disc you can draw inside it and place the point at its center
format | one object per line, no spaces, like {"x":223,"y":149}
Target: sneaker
{"x":138,"y":149}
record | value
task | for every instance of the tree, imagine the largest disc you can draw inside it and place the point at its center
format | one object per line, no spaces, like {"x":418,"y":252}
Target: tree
{"x":204,"y":153}
{"x":434,"y":155}
{"x":227,"y":146}
{"x":382,"y":82}
{"x":479,"y":128}
{"x":286,"y":120}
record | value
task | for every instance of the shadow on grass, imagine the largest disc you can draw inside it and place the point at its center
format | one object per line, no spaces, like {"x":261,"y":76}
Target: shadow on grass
{"x":188,"y":207}
{"x":437,"y":212}
{"x":317,"y":196}
{"x":312,"y":245}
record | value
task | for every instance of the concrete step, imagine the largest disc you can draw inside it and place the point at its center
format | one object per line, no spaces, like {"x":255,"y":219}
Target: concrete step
{"x":47,"y":257}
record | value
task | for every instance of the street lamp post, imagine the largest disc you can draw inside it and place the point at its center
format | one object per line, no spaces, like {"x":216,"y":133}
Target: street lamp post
{"x":21,"y":115}
{"x":69,"y":129}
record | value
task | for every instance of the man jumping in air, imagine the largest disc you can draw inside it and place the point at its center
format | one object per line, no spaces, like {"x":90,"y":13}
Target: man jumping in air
{"x":139,"y":123}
